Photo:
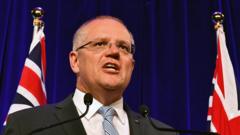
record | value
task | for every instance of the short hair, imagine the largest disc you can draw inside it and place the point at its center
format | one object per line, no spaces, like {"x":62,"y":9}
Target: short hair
{"x":80,"y":34}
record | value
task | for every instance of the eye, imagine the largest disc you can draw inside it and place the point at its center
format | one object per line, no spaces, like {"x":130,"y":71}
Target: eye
{"x":101,"y":43}
{"x":124,"y":47}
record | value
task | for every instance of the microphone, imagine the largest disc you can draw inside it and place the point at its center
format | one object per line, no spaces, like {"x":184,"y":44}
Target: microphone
{"x":88,"y":99}
{"x":144,"y":110}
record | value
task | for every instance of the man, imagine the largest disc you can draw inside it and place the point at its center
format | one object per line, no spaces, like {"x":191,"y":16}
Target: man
{"x":102,"y":59}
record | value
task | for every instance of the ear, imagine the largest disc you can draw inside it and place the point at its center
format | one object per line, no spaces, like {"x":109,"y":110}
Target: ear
{"x":74,"y":62}
{"x":133,"y":63}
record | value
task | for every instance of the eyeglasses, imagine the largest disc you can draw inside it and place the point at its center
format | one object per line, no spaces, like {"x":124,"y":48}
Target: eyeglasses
{"x":102,"y":45}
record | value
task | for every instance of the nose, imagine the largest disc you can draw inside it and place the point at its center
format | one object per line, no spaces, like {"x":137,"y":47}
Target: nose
{"x":113,"y":47}
{"x":113,"y":51}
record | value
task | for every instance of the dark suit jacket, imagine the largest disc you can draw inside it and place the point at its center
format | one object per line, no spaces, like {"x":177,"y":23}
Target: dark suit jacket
{"x":27,"y":121}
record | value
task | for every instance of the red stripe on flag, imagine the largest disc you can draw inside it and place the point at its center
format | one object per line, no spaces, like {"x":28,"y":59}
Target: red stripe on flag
{"x":219,"y":117}
{"x":234,"y":124}
{"x":43,"y":57}
{"x":210,"y":111}
{"x":32,"y":83}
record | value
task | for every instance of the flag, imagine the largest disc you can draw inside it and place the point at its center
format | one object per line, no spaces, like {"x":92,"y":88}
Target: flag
{"x":223,"y":110}
{"x":31,"y":90}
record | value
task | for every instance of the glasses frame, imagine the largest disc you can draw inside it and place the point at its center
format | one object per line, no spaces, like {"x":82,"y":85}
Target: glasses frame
{"x":88,"y":43}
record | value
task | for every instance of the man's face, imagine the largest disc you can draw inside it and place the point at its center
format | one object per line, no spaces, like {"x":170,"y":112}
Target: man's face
{"x":109,"y":68}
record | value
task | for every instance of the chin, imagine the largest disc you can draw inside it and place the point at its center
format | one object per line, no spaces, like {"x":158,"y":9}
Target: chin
{"x":113,"y":87}
{"x":113,"y":83}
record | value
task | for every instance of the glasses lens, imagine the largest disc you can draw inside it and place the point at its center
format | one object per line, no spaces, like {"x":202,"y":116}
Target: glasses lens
{"x":103,"y":45}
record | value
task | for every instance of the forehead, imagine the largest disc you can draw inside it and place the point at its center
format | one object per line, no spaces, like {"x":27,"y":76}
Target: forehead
{"x":106,"y":28}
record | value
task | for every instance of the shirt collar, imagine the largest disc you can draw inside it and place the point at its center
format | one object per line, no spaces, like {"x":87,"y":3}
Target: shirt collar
{"x":78,"y":100}
{"x":118,"y":106}
{"x":94,"y":107}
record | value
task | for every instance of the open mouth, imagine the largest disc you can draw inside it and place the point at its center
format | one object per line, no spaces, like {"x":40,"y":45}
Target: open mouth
{"x":111,"y":66}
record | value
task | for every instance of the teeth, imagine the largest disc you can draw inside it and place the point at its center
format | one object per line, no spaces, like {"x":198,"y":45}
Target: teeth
{"x":110,"y":66}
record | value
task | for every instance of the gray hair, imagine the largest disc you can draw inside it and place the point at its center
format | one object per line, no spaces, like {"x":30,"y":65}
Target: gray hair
{"x":81,"y":33}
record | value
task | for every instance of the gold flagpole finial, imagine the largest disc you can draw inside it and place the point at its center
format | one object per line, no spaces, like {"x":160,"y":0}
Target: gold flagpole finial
{"x":37,"y":14}
{"x":217,"y":18}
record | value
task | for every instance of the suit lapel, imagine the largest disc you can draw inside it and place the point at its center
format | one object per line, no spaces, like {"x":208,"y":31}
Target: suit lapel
{"x":66,"y":110}
{"x":135,"y":123}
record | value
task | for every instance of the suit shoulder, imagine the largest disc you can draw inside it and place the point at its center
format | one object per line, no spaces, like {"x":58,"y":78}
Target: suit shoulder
{"x":32,"y":117}
{"x":155,"y":121}
{"x":161,"y":124}
{"x":141,"y":125}
{"x":23,"y":121}
{"x":39,"y":113}
{"x":33,"y":112}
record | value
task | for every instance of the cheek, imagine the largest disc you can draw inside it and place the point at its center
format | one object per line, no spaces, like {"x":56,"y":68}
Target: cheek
{"x":128,"y":69}
{"x":91,"y":65}
{"x":86,"y":65}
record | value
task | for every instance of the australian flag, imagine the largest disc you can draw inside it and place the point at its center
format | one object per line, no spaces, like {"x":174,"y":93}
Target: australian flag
{"x":223,"y":111}
{"x":31,"y":90}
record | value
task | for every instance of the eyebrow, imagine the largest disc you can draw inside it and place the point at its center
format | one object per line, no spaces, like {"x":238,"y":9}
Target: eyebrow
{"x":101,"y":39}
{"x":123,"y":41}
{"x":107,"y":39}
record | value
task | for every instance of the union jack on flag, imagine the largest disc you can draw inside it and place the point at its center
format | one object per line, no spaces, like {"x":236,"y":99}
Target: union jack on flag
{"x":223,"y":110}
{"x":31,"y":89}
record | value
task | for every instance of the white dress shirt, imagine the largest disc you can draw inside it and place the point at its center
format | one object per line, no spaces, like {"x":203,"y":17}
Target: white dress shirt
{"x":92,"y":121}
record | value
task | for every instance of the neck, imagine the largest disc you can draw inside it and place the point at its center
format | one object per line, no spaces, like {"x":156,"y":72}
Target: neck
{"x":107,"y":98}
{"x":104,"y":96}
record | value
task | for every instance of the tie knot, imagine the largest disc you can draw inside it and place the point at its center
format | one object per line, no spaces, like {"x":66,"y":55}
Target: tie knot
{"x":107,"y":112}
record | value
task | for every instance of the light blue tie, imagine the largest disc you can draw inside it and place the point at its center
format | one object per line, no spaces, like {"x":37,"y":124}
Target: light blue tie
{"x":108,"y":112}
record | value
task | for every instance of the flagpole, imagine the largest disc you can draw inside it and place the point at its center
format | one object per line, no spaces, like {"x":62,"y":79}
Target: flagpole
{"x":37,"y":14}
{"x":217,"y":18}
{"x":38,"y":24}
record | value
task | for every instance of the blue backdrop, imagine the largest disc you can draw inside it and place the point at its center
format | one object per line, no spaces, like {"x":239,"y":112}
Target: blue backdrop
{"x":175,"y":56}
